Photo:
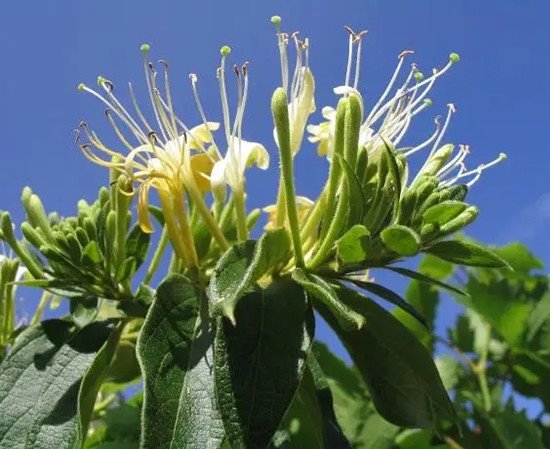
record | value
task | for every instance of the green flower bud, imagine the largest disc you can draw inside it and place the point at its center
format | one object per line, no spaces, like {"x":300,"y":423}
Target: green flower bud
{"x":36,"y":214}
{"x":32,"y":235}
{"x":460,"y":221}
{"x":438,"y":160}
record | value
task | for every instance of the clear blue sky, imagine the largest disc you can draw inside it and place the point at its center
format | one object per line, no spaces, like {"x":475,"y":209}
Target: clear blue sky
{"x":500,"y":87}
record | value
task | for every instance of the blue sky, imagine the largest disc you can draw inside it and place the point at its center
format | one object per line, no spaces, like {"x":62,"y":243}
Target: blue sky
{"x":500,"y":86}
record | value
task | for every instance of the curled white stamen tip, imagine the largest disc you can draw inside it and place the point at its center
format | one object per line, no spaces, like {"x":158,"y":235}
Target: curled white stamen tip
{"x":451,"y":107}
{"x":193,"y":77}
{"x":405,"y":53}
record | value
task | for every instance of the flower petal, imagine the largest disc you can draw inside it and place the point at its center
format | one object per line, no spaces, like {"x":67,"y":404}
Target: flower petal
{"x":218,"y":180}
{"x":144,"y":219}
{"x":201,"y":165}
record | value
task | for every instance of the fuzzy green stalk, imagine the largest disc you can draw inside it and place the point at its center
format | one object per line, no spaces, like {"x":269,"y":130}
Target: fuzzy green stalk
{"x":335,"y":170}
{"x":123,"y":201}
{"x":314,"y":217}
{"x":280,"y":214}
{"x":202,"y":209}
{"x":157,"y":256}
{"x":339,"y":220}
{"x":240,"y":214}
{"x":279,"y":109}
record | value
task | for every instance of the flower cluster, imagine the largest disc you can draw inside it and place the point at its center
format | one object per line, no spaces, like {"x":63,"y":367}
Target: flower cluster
{"x":367,"y":162}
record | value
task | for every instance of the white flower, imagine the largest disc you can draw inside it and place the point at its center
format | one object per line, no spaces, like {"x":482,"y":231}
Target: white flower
{"x":392,"y":114}
{"x":300,"y":91}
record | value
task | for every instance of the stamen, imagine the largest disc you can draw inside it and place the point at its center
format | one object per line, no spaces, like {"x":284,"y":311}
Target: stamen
{"x":426,"y":142}
{"x":137,"y":108}
{"x":450,"y":112}
{"x":359,"y":39}
{"x":350,"y":54}
{"x":282,"y":42}
{"x":148,"y":68}
{"x":225,"y":50}
{"x":389,"y":87}
{"x":194,"y":80}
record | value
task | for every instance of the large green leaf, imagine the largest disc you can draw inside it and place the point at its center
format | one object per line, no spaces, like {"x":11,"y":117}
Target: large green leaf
{"x":260,"y":360}
{"x":508,"y":429}
{"x":175,"y":353}
{"x":40,"y":384}
{"x":364,"y":427}
{"x":392,"y":297}
{"x":244,"y":264}
{"x":467,"y":253}
{"x":519,"y":258}
{"x":402,"y":378}
{"x":302,"y":425}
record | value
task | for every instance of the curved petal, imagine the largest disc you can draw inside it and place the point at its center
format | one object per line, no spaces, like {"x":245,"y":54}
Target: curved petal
{"x":300,"y":109}
{"x":200,"y":135}
{"x":218,"y":180}
{"x":144,"y":219}
{"x":201,"y":165}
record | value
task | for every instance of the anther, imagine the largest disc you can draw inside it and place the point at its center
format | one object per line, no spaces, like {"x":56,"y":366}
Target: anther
{"x":152,"y":136}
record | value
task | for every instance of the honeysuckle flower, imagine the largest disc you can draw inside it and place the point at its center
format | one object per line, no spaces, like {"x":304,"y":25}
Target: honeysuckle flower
{"x":240,"y":153}
{"x":303,"y":204}
{"x":300,"y":89}
{"x":168,"y":156}
{"x":392,"y":114}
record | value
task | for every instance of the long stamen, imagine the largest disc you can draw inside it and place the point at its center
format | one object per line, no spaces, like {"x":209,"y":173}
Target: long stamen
{"x":120,"y":110}
{"x":350,"y":54}
{"x":389,"y":86}
{"x":225,"y":50}
{"x":359,"y":39}
{"x":138,"y":109}
{"x":450,"y":112}
{"x":148,"y":69}
{"x":282,"y":42}
{"x":193,"y":77}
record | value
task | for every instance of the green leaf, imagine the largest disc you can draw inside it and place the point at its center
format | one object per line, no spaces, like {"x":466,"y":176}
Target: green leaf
{"x":401,"y":240}
{"x":443,"y":212}
{"x":94,"y":377}
{"x":392,"y":297}
{"x":426,"y":279}
{"x":467,"y":253}
{"x":137,"y":245}
{"x":519,"y":258}
{"x":302,"y":425}
{"x":259,"y":361}
{"x":402,"y":378}
{"x":364,"y":427}
{"x":509,"y":429}
{"x":322,"y":291}
{"x":352,"y":247}
{"x":83,"y":309}
{"x":175,"y":354}
{"x":40,"y":383}
{"x":244,"y":264}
